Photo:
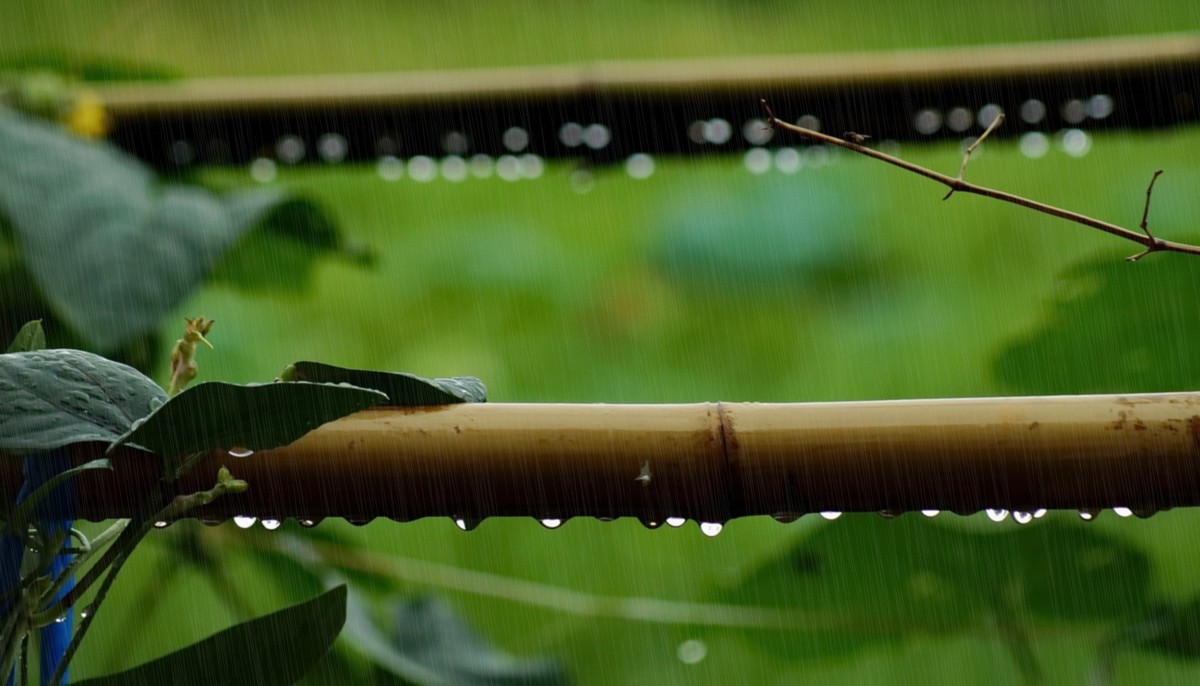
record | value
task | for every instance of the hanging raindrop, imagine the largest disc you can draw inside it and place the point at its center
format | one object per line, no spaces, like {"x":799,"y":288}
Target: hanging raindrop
{"x":1022,"y":517}
{"x":1039,"y":513}
{"x":306,"y":523}
{"x":244,"y":522}
{"x":271,"y":524}
{"x":1122,"y":511}
{"x":1087,"y":515}
{"x":650,"y":523}
{"x":161,"y":524}
{"x":467,"y":524}
{"x":931,"y":513}
{"x":239,"y":451}
{"x":997,"y":515}
{"x":676,"y":522}
{"x":551,"y":523}
{"x":711,"y":529}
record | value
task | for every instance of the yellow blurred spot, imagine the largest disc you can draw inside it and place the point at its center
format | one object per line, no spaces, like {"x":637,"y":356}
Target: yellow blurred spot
{"x":87,"y":117}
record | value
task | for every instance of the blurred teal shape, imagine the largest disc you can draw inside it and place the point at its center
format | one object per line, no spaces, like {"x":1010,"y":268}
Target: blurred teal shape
{"x":792,"y":231}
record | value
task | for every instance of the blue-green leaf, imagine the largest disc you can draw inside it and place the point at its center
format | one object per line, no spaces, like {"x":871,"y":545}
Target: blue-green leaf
{"x":53,"y":398}
{"x":428,"y":644}
{"x":112,"y":249}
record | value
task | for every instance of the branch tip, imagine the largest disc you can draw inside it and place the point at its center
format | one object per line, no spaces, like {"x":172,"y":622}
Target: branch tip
{"x":957,"y":184}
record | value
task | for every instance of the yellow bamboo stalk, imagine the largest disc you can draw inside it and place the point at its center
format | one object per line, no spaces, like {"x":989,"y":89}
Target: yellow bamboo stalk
{"x":751,"y":75}
{"x":710,"y":461}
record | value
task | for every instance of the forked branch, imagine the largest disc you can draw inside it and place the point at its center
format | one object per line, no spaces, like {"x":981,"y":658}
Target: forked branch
{"x":1148,"y":241}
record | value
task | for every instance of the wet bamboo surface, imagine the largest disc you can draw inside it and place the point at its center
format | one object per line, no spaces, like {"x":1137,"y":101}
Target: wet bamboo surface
{"x":704,"y":461}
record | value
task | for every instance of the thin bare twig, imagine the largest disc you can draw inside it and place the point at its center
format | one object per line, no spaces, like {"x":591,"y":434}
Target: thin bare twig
{"x":971,"y":148}
{"x":1153,"y":244}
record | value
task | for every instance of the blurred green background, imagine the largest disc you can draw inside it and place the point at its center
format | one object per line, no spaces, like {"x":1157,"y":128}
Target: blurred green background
{"x":846,"y":280}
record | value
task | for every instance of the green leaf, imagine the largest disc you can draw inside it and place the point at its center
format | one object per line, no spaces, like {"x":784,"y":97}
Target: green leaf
{"x":1151,"y":313}
{"x":403,"y":390}
{"x":111,"y":249}
{"x":31,"y":337}
{"x":53,"y":398}
{"x":218,"y":415}
{"x":289,"y":238}
{"x":863,"y":582}
{"x":1172,"y":629}
{"x":428,"y":644}
{"x":278,"y":648}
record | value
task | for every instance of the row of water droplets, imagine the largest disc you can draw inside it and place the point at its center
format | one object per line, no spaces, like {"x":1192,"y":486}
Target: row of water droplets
{"x":518,"y":163}
{"x":710,"y":529}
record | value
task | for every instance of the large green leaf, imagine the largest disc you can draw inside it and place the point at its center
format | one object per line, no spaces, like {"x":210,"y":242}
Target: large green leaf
{"x":864,"y":581}
{"x":111,"y":249}
{"x":428,"y":645}
{"x":278,"y":648}
{"x":217,"y":415}
{"x":53,"y":398}
{"x":1141,"y":320}
{"x":403,"y":390}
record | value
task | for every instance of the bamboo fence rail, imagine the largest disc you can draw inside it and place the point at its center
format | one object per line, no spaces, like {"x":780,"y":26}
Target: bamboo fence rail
{"x":706,"y":461}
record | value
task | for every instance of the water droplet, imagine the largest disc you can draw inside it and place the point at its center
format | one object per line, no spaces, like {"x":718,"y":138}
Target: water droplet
{"x":271,"y":524}
{"x":390,"y":168}
{"x":650,"y":523}
{"x":332,"y":147}
{"x":83,"y":614}
{"x":1122,"y":511}
{"x":60,"y":619}
{"x":786,"y":517}
{"x":161,"y":524}
{"x":238,"y":451}
{"x":306,"y":523}
{"x":244,"y":522}
{"x":1022,"y":517}
{"x":757,"y":160}
{"x":1087,"y":515}
{"x":551,"y":523}
{"x":997,"y":515}
{"x":691,"y":651}
{"x":639,"y":166}
{"x":931,"y":513}
{"x":889,"y":514}
{"x":1145,"y":512}
{"x":467,"y":524}
{"x":831,"y":515}
{"x":676,"y":522}
{"x":711,"y":529}
{"x":1039,"y":513}
{"x":262,"y":170}
{"x":155,"y":403}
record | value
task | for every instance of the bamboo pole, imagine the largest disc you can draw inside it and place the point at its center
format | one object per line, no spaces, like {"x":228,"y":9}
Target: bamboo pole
{"x":707,"y":461}
{"x":750,"y":75}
